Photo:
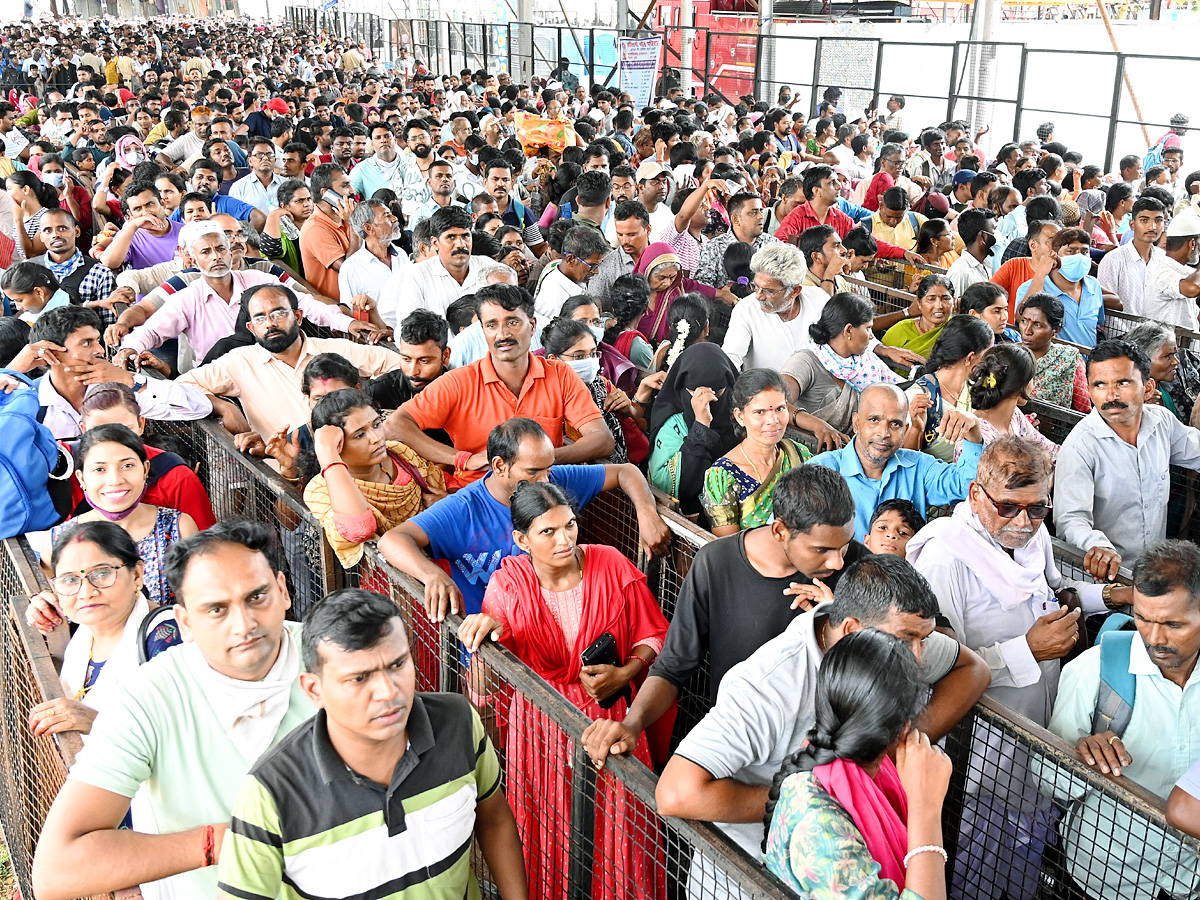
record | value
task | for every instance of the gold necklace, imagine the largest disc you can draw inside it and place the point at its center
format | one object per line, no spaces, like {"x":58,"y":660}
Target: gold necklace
{"x":747,"y":458}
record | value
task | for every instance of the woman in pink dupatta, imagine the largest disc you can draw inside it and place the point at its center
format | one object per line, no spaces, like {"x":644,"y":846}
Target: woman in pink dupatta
{"x":547,"y":608}
{"x":664,"y":271}
{"x":844,"y":822}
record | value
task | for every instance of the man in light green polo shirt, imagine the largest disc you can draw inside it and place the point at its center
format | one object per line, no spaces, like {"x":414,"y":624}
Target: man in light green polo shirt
{"x":185,"y":732}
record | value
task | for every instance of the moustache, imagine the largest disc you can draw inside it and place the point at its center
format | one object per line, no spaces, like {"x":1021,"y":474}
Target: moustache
{"x":460,"y":252}
{"x":501,"y":345}
{"x":1115,"y":404}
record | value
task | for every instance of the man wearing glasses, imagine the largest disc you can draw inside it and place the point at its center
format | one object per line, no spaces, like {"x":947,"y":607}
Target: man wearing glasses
{"x":583,"y":249}
{"x":991,"y":565}
{"x":259,"y":188}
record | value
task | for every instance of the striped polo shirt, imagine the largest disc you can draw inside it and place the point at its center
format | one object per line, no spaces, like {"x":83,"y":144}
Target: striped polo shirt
{"x":305,"y":826}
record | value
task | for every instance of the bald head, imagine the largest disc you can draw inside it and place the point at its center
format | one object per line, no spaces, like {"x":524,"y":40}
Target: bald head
{"x":887,"y":394}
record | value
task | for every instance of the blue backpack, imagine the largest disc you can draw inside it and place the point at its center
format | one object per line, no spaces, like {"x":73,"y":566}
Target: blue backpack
{"x":1154,"y":156}
{"x":1118,"y":686}
{"x":28,"y":454}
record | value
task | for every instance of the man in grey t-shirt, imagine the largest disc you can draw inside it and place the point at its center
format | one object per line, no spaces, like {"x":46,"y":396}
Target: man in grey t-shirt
{"x":722,"y":771}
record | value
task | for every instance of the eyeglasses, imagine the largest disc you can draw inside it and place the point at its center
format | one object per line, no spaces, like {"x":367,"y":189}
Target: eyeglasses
{"x":275,"y":315}
{"x":1006,"y":510}
{"x":591,"y":267}
{"x":765,"y":292}
{"x":578,"y":355}
{"x":100,"y":577}
{"x":262,"y":155}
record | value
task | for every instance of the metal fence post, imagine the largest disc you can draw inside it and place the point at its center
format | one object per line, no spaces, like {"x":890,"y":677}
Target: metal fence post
{"x":878,"y":72}
{"x":485,"y":28}
{"x":591,"y":58}
{"x":756,"y":89}
{"x":1020,"y":110}
{"x":950,"y":92}
{"x":816,"y":79}
{"x":1118,"y":86}
{"x":583,"y":825}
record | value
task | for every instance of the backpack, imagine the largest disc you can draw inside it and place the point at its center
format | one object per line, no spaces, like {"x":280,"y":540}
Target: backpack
{"x":1118,"y":686}
{"x":71,"y":283}
{"x":157,"y":632}
{"x":28,"y":457}
{"x":1154,"y":155}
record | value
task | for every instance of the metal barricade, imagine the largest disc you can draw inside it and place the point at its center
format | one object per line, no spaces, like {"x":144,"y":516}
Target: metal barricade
{"x":242,"y":486}
{"x":34,"y":768}
{"x":887,"y":299}
{"x":585,"y":833}
{"x":1024,"y":817}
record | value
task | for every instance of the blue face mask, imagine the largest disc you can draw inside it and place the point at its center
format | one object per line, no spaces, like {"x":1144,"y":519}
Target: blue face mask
{"x":1073,"y":268}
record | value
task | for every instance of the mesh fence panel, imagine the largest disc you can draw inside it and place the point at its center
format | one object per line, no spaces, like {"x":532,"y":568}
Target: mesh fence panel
{"x":1024,"y":818}
{"x":242,"y":486}
{"x":585,"y":834}
{"x":33,"y":768}
{"x":886,"y":297}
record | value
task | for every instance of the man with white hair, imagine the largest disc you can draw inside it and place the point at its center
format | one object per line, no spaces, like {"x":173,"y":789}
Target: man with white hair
{"x":767,"y":329}
{"x":991,"y":565}
{"x":207,"y":309}
{"x":366,"y":271}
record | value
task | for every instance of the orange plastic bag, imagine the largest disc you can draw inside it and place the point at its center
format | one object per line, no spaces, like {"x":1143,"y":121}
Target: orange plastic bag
{"x":536,"y":132}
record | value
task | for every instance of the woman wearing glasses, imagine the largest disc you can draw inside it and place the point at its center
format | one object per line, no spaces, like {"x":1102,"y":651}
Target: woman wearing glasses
{"x":97,"y":585}
{"x":113,"y":469}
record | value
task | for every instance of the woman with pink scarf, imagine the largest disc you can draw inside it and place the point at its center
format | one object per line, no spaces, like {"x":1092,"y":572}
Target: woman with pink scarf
{"x":844,"y":822}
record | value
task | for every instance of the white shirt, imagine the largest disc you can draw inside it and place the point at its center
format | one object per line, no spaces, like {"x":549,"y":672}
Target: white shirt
{"x":553,"y":290}
{"x":14,"y":142}
{"x":425,"y":285}
{"x":250,"y":190}
{"x":363,"y":273}
{"x":157,"y":399}
{"x":756,"y":339}
{"x":1108,"y":493}
{"x":985,"y":593}
{"x":659,"y":219}
{"x":966,"y":271}
{"x":1163,"y":300}
{"x":1124,"y":272}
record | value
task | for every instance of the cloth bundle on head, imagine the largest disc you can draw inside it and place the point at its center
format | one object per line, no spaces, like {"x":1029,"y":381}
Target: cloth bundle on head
{"x":535,"y":132}
{"x":700,"y":365}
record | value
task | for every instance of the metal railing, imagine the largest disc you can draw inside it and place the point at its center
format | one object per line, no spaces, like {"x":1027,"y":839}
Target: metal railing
{"x":598,"y":834}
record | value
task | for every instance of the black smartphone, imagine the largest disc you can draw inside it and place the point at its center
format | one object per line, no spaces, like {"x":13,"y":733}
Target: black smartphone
{"x":603,"y":652}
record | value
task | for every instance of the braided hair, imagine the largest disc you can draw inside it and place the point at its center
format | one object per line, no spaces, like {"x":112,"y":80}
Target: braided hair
{"x":867,"y":694}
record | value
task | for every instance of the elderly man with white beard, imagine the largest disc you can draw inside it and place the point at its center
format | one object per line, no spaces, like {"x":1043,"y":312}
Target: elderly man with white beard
{"x":991,"y":565}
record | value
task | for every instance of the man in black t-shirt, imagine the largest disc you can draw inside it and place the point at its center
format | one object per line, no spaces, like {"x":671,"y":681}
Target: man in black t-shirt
{"x":740,"y":592}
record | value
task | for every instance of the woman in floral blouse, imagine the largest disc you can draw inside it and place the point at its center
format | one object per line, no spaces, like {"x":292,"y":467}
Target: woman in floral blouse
{"x":843,"y":821}
{"x":1061,"y":378}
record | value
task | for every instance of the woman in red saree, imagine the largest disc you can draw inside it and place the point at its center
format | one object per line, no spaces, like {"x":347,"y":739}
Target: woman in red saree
{"x":664,"y":271}
{"x":547,"y":607}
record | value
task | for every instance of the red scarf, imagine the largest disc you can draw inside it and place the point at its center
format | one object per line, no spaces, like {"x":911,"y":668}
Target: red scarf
{"x":878,"y":807}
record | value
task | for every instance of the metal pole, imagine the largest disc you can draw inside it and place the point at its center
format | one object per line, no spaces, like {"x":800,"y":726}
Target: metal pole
{"x":812,"y":100}
{"x":686,"y":39}
{"x":950,"y":91}
{"x":583,"y":825}
{"x":1137,"y":107}
{"x":1114,"y":113}
{"x":878,"y":74}
{"x":622,"y":14}
{"x":1020,"y":110}
{"x":591,"y":59}
{"x":766,"y":55}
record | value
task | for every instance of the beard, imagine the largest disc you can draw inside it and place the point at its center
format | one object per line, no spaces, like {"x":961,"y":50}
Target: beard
{"x":276,"y":341}
{"x":422,"y":151}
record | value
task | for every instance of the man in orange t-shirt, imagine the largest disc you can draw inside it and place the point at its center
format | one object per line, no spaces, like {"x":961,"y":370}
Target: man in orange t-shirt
{"x":1014,"y":273}
{"x":325,"y":238}
{"x":510,"y":382}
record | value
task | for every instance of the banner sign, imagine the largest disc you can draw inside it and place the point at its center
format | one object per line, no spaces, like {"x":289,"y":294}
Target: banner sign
{"x":639,"y":66}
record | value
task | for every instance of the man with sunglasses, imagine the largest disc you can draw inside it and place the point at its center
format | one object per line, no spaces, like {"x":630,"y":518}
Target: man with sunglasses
{"x":992,"y":568}
{"x":991,"y":565}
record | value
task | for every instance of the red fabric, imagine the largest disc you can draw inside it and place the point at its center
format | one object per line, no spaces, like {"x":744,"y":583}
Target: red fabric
{"x":803,"y":217}
{"x":84,"y":199}
{"x":880,"y":183}
{"x":878,"y":806}
{"x":538,"y":756}
{"x":1081,"y":397}
{"x":655,"y":324}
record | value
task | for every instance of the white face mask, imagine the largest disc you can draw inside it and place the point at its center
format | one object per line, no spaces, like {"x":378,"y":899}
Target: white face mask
{"x":586,"y":369}
{"x":597,"y":333}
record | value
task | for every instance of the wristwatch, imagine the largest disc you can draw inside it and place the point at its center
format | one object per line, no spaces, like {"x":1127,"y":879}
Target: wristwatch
{"x":1107,"y":593}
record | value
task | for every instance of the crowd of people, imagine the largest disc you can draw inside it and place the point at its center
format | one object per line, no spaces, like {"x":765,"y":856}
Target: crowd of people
{"x":450,"y":311}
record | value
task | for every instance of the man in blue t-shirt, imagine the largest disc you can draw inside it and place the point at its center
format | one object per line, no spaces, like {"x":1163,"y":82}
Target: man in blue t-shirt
{"x":472,"y":529}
